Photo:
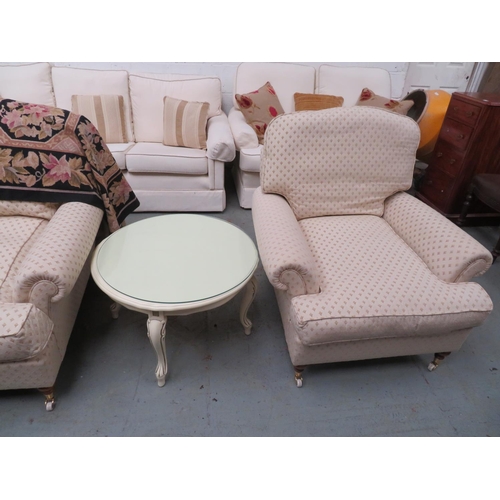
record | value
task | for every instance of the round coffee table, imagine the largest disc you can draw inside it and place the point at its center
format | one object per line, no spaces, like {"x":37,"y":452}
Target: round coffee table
{"x":174,"y":265}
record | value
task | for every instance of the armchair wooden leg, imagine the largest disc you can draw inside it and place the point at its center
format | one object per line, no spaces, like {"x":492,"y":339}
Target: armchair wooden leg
{"x":298,"y":375}
{"x":465,"y":209}
{"x":50,"y":402}
{"x":438,"y":357}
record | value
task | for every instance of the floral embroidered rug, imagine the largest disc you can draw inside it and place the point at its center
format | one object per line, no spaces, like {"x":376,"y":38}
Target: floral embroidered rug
{"x":52,"y":155}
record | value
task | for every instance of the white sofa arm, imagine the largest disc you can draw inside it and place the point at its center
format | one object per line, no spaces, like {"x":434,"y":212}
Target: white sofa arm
{"x":449,"y":252}
{"x":52,"y":266}
{"x":244,"y":135}
{"x":220,"y":142}
{"x":284,"y":251}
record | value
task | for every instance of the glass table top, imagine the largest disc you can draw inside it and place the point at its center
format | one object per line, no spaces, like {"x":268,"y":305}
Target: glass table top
{"x":176,"y":258}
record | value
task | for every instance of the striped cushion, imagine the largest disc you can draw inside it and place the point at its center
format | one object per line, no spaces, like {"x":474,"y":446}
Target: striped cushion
{"x":185,"y":123}
{"x":106,"y":112}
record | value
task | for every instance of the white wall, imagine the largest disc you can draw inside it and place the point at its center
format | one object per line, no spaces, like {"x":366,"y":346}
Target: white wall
{"x":226,"y":71}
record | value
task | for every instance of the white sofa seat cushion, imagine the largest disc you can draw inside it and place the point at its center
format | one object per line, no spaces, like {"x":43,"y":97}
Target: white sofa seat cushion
{"x":151,"y":157}
{"x":147,"y":101}
{"x":27,"y":83}
{"x":250,"y":159}
{"x":119,"y":151}
{"x":373,"y":285}
{"x":348,"y":82}
{"x":76,"y":81}
{"x":18,"y":234}
{"x":24,"y":331}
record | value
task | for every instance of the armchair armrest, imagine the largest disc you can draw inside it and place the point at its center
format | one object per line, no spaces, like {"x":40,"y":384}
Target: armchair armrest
{"x":284,"y":251}
{"x":244,"y":135}
{"x":220,"y":142}
{"x":53,"y":264}
{"x":449,"y":252}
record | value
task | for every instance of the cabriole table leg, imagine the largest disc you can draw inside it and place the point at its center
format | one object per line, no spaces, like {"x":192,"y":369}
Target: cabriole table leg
{"x":246,"y":302}
{"x":156,"y":332}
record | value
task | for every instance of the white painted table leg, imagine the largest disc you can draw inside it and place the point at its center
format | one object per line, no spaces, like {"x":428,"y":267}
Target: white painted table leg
{"x":246,"y":301}
{"x":156,"y":333}
{"x":115,"y":309}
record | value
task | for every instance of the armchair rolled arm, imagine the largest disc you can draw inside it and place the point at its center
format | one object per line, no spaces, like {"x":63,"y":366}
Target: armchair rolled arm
{"x":284,"y":251}
{"x":53,"y":264}
{"x":449,"y":252}
{"x":220,"y":142}
{"x":244,"y":135}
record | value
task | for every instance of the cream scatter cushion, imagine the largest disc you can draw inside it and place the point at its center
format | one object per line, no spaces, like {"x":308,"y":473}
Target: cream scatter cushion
{"x":185,"y":123}
{"x":369,"y":98}
{"x":106,"y":112}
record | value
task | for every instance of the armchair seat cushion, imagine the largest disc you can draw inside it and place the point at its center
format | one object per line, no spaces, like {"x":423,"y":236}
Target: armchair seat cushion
{"x":250,"y":159}
{"x":24,"y":331}
{"x":152,"y":157}
{"x":373,"y":285}
{"x":17,"y":235}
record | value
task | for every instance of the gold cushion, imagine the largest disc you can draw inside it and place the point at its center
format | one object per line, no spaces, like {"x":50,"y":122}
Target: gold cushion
{"x":313,"y":102}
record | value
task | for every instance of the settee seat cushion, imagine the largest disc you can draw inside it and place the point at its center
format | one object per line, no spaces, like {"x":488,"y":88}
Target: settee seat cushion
{"x":17,"y":236}
{"x":119,"y":151}
{"x":373,"y":285}
{"x":152,"y":157}
{"x":24,"y":331}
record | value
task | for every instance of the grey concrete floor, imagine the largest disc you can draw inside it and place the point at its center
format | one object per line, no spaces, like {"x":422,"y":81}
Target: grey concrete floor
{"x":223,"y":383}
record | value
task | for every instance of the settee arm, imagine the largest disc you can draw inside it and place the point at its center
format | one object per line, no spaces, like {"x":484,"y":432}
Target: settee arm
{"x":52,"y":266}
{"x":220,"y":142}
{"x":284,"y":251}
{"x":449,"y":252}
{"x":244,"y":135}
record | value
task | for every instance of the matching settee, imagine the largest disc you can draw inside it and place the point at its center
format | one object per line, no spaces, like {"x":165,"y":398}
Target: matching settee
{"x":44,"y":270}
{"x":360,"y":268}
{"x":286,"y":80}
{"x":165,"y":178}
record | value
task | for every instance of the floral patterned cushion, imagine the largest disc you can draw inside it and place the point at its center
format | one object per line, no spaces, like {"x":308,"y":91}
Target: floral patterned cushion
{"x":313,"y":102}
{"x":259,"y":108}
{"x":369,"y":98}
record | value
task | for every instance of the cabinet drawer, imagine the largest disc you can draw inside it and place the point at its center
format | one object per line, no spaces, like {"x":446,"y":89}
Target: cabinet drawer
{"x":446,"y":158}
{"x":437,"y":187}
{"x":463,"y":112}
{"x":456,"y":133}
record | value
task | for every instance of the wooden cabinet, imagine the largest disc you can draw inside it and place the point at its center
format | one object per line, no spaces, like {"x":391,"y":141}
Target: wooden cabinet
{"x":468,"y":144}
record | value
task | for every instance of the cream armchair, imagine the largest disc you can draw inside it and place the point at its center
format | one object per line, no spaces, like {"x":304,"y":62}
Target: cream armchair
{"x":44,"y":270}
{"x":360,"y":268}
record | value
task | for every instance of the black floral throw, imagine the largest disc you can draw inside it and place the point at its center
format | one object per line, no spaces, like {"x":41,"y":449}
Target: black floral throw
{"x":52,"y":155}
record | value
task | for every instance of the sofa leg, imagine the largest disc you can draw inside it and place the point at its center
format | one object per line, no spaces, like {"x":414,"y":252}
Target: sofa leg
{"x":50,"y":402}
{"x":438,"y":357}
{"x":298,"y":375}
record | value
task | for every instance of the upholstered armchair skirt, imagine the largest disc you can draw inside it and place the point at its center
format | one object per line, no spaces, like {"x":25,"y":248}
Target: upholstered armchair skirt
{"x":361,"y":269}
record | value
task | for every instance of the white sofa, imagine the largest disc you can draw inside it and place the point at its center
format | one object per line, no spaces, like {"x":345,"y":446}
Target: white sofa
{"x":164,"y":178}
{"x":287,"y":79}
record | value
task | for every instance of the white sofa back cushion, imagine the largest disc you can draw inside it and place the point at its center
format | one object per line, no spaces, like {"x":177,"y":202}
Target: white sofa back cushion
{"x":348,"y":82}
{"x":286,"y":79}
{"x":147,"y":100}
{"x":27,"y":83}
{"x":77,"y":81}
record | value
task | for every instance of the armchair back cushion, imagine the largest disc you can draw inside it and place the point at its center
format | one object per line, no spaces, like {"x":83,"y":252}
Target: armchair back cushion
{"x":339,"y":161}
{"x":75,"y":81}
{"x":285,"y":78}
{"x":348,"y":82}
{"x":147,"y":96}
{"x":27,"y":83}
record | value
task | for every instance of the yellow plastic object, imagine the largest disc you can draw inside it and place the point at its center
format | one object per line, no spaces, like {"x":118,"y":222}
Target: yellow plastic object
{"x":428,"y":111}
